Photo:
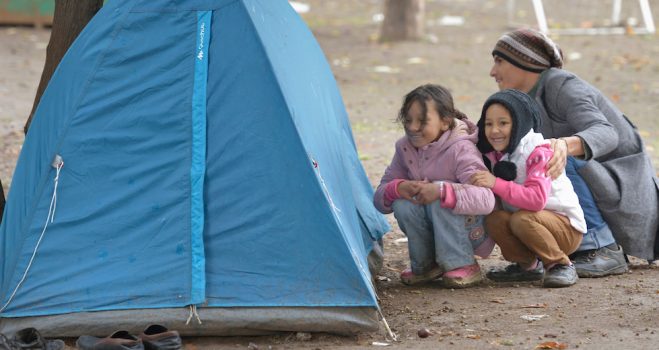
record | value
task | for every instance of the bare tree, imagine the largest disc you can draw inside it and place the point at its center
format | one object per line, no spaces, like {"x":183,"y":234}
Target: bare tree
{"x":69,"y":18}
{"x":2,"y":201}
{"x":403,"y":20}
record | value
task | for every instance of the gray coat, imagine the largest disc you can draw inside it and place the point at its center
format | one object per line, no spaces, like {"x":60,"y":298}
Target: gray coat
{"x":619,"y":171}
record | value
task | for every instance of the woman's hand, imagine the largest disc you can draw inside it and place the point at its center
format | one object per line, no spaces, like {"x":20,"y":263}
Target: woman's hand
{"x":556,"y":164}
{"x":483,"y":179}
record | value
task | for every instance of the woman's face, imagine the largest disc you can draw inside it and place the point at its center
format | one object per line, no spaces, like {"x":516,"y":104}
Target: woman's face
{"x":507,"y":76}
{"x":498,"y":125}
{"x":422,"y":129}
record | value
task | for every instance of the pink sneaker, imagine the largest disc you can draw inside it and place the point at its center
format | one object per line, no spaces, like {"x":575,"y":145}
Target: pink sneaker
{"x":463,"y":277}
{"x":408,"y":277}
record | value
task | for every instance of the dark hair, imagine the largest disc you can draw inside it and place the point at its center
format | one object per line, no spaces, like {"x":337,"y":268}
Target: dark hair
{"x":441,"y":98}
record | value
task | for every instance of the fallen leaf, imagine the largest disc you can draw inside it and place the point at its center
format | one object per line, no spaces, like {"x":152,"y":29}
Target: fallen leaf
{"x":532,"y":318}
{"x":416,"y":60}
{"x":506,"y":342}
{"x":400,"y":240}
{"x":497,"y":301}
{"x":473,"y":336}
{"x":551,"y":345}
{"x":377,"y":343}
{"x":535,"y":306}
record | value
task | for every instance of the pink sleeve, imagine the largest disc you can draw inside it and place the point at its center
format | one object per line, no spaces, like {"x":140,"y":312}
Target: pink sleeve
{"x":533,"y":194}
{"x":391,"y":192}
{"x":449,"y":197}
{"x":395,"y":170}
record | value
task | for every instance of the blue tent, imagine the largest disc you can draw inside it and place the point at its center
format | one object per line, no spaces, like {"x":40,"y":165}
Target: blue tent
{"x":190,"y":159}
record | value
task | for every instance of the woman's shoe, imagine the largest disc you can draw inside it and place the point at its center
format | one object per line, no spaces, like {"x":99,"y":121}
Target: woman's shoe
{"x":463,"y":277}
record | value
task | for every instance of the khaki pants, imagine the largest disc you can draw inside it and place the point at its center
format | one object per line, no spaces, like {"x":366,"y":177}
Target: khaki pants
{"x":525,"y":235}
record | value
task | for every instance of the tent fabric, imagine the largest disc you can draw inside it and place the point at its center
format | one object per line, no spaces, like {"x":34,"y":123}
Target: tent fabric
{"x":215,"y":321}
{"x":207,"y":160}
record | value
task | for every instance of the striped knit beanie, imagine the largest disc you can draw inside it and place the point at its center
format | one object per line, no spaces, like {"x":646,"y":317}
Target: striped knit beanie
{"x":529,"y":50}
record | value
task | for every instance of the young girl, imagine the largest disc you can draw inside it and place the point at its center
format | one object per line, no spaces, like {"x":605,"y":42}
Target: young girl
{"x":541,"y":218}
{"x":441,"y":217}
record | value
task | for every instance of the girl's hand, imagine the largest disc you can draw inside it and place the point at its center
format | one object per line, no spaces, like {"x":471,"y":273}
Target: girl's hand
{"x":408,"y":190}
{"x":483,"y":179}
{"x":428,"y":193}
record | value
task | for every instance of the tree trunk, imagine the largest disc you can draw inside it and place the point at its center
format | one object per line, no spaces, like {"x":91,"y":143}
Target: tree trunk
{"x":2,"y":201}
{"x":403,"y":20}
{"x":69,"y":18}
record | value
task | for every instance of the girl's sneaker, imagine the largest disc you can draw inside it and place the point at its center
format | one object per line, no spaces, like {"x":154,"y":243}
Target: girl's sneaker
{"x":463,"y":277}
{"x":408,"y":277}
{"x":515,"y":273}
{"x":559,"y":276}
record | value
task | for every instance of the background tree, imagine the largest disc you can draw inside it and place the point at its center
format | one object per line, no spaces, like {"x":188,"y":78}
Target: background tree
{"x":69,"y":18}
{"x":2,"y":201}
{"x":403,"y":20}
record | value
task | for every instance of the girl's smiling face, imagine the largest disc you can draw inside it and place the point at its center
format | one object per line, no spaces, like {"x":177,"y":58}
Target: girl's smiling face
{"x":422,"y":129}
{"x":498,"y":125}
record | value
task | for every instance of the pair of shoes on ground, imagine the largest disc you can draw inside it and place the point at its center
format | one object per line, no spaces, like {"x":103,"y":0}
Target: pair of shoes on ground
{"x":462,"y":277}
{"x":557,"y":276}
{"x":154,"y":337}
{"x":29,"y":339}
{"x":600,"y":262}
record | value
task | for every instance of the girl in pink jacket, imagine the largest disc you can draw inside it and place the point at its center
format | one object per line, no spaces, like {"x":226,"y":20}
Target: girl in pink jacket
{"x":425,"y":187}
{"x":541,"y":221}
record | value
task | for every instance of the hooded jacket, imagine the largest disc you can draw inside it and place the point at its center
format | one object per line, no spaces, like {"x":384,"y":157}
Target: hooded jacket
{"x":453,"y":158}
{"x":530,"y":159}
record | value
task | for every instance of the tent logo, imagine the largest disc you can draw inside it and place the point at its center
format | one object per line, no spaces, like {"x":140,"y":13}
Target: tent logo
{"x":202,"y":32}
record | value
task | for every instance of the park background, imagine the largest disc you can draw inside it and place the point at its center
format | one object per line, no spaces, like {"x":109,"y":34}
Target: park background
{"x":609,"y":313}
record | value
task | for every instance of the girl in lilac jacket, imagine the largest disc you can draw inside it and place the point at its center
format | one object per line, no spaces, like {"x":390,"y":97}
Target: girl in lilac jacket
{"x":425,"y":186}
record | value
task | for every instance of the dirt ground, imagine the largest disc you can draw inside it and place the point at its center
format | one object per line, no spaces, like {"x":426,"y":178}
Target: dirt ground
{"x":618,"y":312}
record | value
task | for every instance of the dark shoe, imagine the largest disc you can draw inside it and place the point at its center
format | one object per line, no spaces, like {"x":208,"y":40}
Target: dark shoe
{"x":560,"y":276}
{"x":5,"y":344}
{"x":157,"y":337}
{"x":599,"y":263}
{"x":515,"y":273}
{"x":119,"y":340}
{"x":30,"y":339}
